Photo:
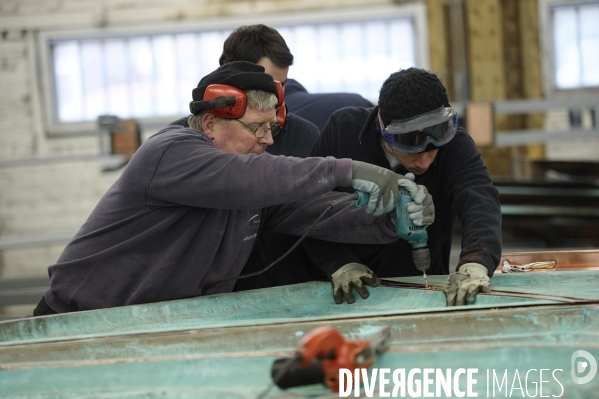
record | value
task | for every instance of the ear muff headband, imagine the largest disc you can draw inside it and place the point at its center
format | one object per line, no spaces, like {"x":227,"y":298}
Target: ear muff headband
{"x":229,"y":102}
{"x":221,"y":100}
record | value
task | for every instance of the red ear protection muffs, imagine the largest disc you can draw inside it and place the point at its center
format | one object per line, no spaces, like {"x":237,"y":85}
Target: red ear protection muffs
{"x":281,"y":106}
{"x":221,"y":100}
{"x":282,"y":115}
{"x":229,"y":102}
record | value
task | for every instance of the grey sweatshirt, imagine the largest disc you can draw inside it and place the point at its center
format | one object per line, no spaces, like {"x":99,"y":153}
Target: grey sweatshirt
{"x":184,"y":214}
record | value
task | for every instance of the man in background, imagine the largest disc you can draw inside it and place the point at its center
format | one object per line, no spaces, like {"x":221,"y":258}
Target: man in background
{"x":318,"y":107}
{"x":264,"y":46}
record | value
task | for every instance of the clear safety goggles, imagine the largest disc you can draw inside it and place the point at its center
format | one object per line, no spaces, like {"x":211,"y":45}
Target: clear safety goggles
{"x":412,"y":135}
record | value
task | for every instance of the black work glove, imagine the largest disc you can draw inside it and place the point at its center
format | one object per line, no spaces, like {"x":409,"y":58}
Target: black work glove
{"x":462,"y":286}
{"x":352,"y":275}
{"x":379,"y":183}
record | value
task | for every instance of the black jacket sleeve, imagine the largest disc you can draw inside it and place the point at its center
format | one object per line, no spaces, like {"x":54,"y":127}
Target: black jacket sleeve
{"x":330,"y":256}
{"x":474,"y":201}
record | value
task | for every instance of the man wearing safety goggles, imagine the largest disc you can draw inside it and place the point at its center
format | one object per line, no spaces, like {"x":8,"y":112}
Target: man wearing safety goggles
{"x":414,"y":129}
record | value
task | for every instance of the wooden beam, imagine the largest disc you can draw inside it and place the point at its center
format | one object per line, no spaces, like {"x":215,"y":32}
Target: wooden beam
{"x":512,"y":50}
{"x":532,"y":84}
{"x":487,"y":73}
{"x":531,"y":81}
{"x":458,"y":50}
{"x":512,"y":61}
{"x":438,"y":41}
{"x":485,"y":45}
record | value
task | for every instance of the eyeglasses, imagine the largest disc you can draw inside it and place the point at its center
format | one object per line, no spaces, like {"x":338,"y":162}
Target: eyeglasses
{"x":261,"y":130}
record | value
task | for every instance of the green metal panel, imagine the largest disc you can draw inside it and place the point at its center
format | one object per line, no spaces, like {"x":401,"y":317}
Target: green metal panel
{"x":223,"y":346}
{"x":246,"y":376}
{"x":567,"y":284}
{"x":309,"y":301}
{"x":548,"y":325}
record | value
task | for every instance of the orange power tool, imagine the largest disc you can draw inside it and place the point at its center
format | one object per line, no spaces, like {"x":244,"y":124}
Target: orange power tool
{"x":322,"y":353}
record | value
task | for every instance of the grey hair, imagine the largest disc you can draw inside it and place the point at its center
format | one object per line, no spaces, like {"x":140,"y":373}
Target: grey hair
{"x":195,"y":121}
{"x":261,"y":100}
{"x":256,"y":99}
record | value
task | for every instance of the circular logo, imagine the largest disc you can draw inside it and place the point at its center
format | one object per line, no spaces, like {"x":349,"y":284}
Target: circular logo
{"x":580,"y":367}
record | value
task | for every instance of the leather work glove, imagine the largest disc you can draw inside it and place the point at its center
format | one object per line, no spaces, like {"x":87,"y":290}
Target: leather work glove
{"x":462,"y":286}
{"x":379,"y":182}
{"x":352,"y":275}
{"x":422,"y":210}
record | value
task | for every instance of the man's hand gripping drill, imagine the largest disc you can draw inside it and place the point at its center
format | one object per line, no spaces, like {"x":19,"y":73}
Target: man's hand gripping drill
{"x":412,"y":214}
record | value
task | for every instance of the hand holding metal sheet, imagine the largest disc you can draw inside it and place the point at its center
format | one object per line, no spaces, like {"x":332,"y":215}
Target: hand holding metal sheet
{"x":462,"y":286}
{"x":352,"y":275}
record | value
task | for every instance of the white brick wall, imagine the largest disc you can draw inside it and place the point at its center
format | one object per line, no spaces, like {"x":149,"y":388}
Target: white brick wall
{"x":16,"y":139}
{"x":53,"y":197}
{"x":46,"y":199}
{"x":30,"y":262}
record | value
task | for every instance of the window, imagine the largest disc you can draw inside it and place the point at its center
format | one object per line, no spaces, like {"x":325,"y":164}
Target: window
{"x":570,"y":35}
{"x":149,"y":75}
{"x":140,"y":76}
{"x":350,"y":56}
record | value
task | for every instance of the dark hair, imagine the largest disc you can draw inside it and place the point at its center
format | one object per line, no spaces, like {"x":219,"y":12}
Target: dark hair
{"x":410,"y":92}
{"x":251,"y":43}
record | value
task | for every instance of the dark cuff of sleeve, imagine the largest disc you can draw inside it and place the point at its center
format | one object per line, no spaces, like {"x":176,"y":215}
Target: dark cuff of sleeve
{"x":330,"y":266}
{"x":329,"y":256}
{"x":473,"y":258}
{"x":343,"y":172}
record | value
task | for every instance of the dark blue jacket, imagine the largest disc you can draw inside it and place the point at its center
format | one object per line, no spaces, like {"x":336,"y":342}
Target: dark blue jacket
{"x":317,"y":108}
{"x":458,"y":181}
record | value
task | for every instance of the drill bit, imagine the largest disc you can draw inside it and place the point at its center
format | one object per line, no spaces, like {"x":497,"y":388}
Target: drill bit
{"x":422,"y":261}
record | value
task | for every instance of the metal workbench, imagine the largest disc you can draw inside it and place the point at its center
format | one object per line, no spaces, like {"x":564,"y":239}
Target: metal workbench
{"x":223,"y":346}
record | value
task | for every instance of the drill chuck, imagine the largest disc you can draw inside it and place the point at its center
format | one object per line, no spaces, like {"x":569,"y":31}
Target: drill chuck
{"x":422,"y":259}
{"x":417,"y":236}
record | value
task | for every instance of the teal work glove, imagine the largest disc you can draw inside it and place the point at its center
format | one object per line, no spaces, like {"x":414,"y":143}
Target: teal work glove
{"x":462,"y":286}
{"x":379,"y":182}
{"x":352,"y":275}
{"x":421,"y":210}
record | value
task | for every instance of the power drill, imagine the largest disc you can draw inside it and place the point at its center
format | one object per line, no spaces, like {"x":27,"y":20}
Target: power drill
{"x":323,"y":352}
{"x":405,"y":228}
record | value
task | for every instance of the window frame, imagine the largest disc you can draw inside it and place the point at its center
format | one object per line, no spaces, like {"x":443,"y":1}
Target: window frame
{"x":548,"y":51}
{"x":416,"y":11}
